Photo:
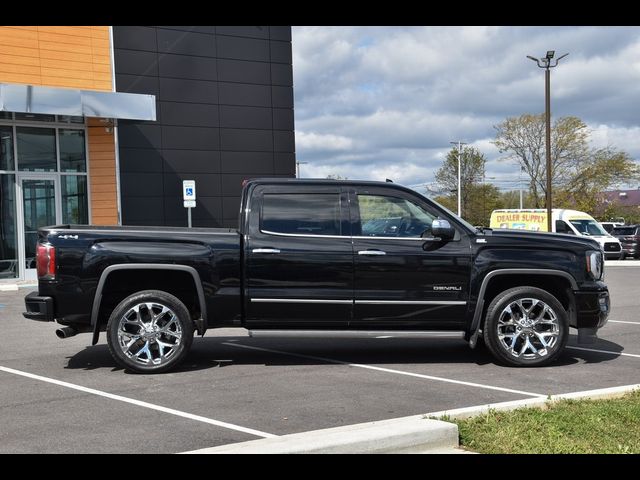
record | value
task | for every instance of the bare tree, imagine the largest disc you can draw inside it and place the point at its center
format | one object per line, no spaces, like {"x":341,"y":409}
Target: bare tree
{"x":522,"y":139}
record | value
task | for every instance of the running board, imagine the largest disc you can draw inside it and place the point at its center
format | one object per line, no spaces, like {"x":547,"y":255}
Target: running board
{"x":356,"y":334}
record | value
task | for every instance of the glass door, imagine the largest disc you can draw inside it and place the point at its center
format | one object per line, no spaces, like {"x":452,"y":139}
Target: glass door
{"x":40,"y":208}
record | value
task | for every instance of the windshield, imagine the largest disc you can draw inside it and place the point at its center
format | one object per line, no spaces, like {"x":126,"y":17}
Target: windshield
{"x":588,"y":227}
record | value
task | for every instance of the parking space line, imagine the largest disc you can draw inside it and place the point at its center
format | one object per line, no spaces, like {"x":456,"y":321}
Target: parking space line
{"x":604,"y":351}
{"x":139,"y":403}
{"x":389,"y":370}
{"x":622,"y":321}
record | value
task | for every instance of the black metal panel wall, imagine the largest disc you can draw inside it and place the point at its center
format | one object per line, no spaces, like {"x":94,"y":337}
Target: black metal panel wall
{"x":225,"y":113}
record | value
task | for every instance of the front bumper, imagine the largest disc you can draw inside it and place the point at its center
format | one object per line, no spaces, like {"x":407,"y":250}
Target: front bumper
{"x":592,"y":309}
{"x":38,"y":308}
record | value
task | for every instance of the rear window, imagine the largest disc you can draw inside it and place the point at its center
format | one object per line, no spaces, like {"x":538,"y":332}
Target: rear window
{"x":301,"y":213}
{"x":624,"y":231}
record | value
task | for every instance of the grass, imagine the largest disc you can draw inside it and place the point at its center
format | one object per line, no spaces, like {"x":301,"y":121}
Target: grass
{"x":567,"y":426}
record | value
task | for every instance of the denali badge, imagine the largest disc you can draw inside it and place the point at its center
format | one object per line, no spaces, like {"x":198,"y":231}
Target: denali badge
{"x":67,"y":237}
{"x":447,"y":288}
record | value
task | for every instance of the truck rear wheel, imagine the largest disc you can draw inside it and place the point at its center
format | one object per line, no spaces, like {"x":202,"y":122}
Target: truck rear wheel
{"x":150,"y":332}
{"x":526,"y":327}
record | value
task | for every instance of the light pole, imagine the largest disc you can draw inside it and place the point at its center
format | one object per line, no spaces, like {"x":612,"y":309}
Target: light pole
{"x":298,"y":168}
{"x":459,"y":143}
{"x":548,"y":65}
{"x":520,"y":185}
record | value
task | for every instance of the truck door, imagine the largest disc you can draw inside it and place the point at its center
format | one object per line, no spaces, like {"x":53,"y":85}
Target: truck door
{"x":299,"y":257}
{"x":397,"y":281}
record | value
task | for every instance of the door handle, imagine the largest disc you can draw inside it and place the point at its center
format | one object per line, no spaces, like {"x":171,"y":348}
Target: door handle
{"x":265,"y":250}
{"x":371,"y":252}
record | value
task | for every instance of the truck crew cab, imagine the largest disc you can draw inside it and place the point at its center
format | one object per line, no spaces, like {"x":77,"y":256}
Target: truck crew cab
{"x":321,"y":258}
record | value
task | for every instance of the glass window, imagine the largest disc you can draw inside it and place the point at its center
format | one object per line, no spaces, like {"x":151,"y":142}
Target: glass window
{"x":562,"y":227}
{"x":70,"y":119}
{"x":623,"y":231}
{"x":304,"y":214}
{"x":6,"y":149}
{"x":6,"y":116}
{"x":8,"y":239}
{"x":39,"y":207}
{"x":382,"y":216}
{"x":35,"y":117}
{"x":588,"y":227}
{"x":36,"y":149}
{"x":72,"y":151}
{"x":74,"y":199}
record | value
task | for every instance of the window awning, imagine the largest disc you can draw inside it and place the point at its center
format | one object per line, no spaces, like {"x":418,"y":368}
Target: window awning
{"x":67,"y":101}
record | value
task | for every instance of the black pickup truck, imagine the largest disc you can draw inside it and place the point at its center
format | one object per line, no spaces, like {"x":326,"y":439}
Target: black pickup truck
{"x":321,"y":258}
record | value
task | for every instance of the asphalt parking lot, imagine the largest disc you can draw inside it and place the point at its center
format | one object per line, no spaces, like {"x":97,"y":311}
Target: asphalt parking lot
{"x":63,"y":396}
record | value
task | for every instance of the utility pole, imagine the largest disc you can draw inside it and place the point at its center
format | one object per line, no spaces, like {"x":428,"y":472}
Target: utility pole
{"x":459,"y":143}
{"x":298,"y":168}
{"x":547,"y":65}
{"x":520,"y":185}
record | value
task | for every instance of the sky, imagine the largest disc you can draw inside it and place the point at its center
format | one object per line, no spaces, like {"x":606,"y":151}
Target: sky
{"x":385,"y":102}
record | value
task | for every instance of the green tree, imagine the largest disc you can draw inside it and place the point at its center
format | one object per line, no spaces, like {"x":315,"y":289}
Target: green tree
{"x":471,"y":175}
{"x":523,"y":139}
{"x":601,"y":171}
{"x":483,"y":199}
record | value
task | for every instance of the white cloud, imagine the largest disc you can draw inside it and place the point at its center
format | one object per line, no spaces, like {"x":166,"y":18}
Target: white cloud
{"x":384,"y":102}
{"x":323,"y":142}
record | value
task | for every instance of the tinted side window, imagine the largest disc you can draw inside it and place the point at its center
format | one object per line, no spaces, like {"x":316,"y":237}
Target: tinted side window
{"x":624,"y":231}
{"x":301,"y":213}
{"x":562,"y":227}
{"x":382,"y":216}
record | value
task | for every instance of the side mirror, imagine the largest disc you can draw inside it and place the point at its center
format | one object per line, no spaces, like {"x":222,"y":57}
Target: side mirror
{"x":443,"y":230}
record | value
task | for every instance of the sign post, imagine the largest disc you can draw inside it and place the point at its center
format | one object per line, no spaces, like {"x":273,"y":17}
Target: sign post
{"x":189,"y":197}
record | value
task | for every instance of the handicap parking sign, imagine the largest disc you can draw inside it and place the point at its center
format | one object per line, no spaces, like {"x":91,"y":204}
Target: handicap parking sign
{"x":188,"y":190}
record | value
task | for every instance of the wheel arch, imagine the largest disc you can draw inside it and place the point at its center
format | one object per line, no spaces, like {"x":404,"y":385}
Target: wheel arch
{"x":522,"y":275}
{"x":97,"y":299}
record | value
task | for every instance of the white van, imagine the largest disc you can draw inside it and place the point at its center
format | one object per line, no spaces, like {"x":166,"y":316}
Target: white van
{"x":571,"y":222}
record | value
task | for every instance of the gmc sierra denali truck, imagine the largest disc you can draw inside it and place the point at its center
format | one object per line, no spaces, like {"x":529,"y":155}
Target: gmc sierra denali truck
{"x":321,"y":258}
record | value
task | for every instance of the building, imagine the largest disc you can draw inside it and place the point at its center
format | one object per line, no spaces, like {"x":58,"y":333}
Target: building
{"x":100,"y":125}
{"x":624,"y":204}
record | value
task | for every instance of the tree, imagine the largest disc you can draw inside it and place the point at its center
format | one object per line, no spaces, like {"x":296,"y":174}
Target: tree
{"x":483,"y":199}
{"x":604,"y":168}
{"x":471,"y":175}
{"x":523,"y":140}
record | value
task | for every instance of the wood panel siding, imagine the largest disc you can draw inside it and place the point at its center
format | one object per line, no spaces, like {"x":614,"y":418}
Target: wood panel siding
{"x":72,"y":57}
{"x":102,"y":172}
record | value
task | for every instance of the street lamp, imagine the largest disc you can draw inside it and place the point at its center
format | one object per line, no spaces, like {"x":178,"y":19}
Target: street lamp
{"x":459,"y":143}
{"x":298,"y":168}
{"x":547,"y":64}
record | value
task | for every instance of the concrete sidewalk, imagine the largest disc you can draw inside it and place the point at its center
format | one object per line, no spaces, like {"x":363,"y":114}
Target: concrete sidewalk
{"x":414,"y":434}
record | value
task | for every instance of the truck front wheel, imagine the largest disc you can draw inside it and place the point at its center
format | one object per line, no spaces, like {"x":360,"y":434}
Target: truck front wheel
{"x":526,"y":327}
{"x":150,"y":332}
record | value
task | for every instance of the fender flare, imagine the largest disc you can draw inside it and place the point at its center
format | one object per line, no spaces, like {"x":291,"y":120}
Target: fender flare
{"x":97,"y":299}
{"x":474,"y":330}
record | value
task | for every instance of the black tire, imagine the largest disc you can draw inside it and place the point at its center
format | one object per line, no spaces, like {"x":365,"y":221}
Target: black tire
{"x":155,"y":345}
{"x":552,"y":327}
{"x":622,"y":256}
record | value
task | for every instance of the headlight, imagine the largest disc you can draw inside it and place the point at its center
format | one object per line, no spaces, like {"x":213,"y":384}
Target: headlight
{"x":595,"y":264}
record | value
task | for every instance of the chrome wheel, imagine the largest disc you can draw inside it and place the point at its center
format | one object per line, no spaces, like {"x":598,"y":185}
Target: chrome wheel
{"x":528,"y":328}
{"x":149,"y":334}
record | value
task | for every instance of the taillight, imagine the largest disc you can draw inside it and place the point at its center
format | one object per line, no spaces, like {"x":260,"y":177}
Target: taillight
{"x":46,"y":261}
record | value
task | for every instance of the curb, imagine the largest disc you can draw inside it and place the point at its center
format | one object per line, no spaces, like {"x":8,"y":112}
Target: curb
{"x":622,"y":263}
{"x":539,"y":402}
{"x":414,"y":434}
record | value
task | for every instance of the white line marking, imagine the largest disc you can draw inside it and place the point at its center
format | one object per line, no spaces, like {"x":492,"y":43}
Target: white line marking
{"x":621,"y":321}
{"x":151,"y":406}
{"x":604,"y":351}
{"x":389,"y":370}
